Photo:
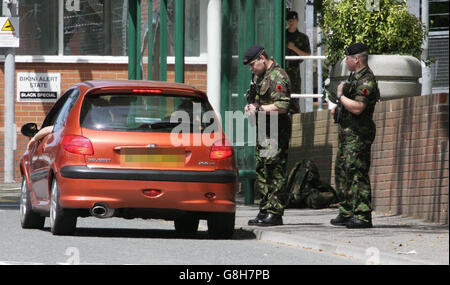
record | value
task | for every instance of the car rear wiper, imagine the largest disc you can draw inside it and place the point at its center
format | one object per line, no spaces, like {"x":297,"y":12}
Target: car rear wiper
{"x":165,"y":125}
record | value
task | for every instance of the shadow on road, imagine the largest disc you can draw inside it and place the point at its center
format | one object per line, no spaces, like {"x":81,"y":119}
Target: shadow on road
{"x":239,"y":234}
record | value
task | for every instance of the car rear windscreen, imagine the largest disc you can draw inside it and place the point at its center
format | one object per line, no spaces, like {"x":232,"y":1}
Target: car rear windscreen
{"x":146,"y":113}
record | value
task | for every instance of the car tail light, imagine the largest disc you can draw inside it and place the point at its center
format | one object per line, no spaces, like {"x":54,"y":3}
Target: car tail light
{"x":77,"y":145}
{"x":154,"y":91}
{"x":221,"y":150}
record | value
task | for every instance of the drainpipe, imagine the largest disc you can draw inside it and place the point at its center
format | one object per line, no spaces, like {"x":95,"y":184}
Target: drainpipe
{"x":10,"y":132}
{"x":426,"y":70}
{"x":214,"y":33}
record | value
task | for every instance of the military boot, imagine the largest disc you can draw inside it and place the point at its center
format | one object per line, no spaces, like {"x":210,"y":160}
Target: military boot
{"x":270,"y":220}
{"x":261,"y":215}
{"x":355,"y":223}
{"x":340,"y":220}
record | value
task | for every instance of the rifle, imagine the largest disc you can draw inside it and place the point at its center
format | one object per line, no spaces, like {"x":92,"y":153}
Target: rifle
{"x":338,"y":111}
{"x":251,"y":98}
{"x":251,"y":92}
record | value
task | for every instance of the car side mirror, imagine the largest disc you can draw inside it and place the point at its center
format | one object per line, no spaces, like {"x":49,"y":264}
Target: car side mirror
{"x":29,"y":129}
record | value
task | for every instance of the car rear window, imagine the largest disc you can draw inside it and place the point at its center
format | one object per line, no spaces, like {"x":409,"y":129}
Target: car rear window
{"x":145,"y":113}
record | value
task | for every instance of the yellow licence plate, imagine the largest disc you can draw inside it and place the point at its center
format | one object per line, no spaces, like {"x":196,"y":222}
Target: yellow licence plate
{"x":145,"y":157}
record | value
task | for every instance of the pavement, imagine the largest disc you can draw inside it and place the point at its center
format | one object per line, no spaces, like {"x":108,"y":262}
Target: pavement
{"x":394,"y":239}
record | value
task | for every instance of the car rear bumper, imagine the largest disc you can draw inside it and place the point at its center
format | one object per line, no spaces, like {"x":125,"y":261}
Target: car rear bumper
{"x":82,"y":188}
{"x":84,"y":172}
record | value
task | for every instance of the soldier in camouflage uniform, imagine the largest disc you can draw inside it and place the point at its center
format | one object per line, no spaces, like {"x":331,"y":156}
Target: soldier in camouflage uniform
{"x":272,"y":94}
{"x":356,"y":134}
{"x":297,"y":44}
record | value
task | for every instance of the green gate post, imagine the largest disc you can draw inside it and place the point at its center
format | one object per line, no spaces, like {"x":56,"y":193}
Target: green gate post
{"x":150,"y":41}
{"x":163,"y":40}
{"x":225,"y":92}
{"x":132,"y":30}
{"x":179,"y":41}
{"x":279,"y":32}
{"x":246,"y":176}
{"x":138,"y":40}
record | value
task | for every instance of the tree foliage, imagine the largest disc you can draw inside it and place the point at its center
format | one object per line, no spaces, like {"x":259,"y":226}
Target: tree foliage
{"x":385,"y":26}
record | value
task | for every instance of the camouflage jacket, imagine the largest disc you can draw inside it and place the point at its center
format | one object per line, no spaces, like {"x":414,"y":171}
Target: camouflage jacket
{"x":363,"y":88}
{"x":301,"y":41}
{"x":274,"y":87}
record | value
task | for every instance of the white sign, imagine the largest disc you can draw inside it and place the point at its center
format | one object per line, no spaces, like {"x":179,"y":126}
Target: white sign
{"x":38,"y":87}
{"x":9,"y":32}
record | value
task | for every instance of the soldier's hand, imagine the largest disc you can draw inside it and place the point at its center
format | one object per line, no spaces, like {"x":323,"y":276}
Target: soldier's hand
{"x":333,"y":110}
{"x":291,"y":45}
{"x":340,"y":88}
{"x":251,"y":109}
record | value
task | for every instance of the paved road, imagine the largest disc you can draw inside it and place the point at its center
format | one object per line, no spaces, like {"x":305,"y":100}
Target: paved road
{"x":119,"y":241}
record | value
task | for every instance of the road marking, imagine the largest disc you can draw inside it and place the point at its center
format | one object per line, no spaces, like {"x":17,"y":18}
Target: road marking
{"x":19,"y":263}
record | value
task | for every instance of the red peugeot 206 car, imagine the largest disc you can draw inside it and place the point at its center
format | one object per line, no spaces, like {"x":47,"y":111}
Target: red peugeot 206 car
{"x":130,"y":149}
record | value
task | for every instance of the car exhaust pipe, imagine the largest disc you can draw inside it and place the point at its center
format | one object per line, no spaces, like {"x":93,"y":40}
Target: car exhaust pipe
{"x":102,"y":211}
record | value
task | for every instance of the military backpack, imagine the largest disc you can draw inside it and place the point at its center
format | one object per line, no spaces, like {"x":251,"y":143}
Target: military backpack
{"x":305,"y":188}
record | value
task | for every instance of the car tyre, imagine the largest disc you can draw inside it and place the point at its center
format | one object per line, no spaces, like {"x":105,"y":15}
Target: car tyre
{"x":62,"y":221}
{"x":221,"y":225}
{"x":28,"y":218}
{"x":186,"y":225}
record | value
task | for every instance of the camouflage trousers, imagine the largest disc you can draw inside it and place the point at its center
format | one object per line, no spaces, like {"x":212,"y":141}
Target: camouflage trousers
{"x":352,"y":176}
{"x":271,"y":173}
{"x":293,"y":72}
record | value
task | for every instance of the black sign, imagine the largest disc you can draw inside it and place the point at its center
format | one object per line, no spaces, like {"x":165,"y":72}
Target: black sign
{"x":38,"y":95}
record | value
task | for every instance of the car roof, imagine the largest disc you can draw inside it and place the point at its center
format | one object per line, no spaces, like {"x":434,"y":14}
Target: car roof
{"x":138,"y":83}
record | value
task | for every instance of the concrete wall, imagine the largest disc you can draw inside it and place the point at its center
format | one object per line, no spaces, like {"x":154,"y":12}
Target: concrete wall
{"x":410,"y":156}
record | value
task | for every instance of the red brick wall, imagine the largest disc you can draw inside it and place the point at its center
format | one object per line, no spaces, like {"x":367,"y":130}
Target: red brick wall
{"x":410,"y":156}
{"x":70,"y":74}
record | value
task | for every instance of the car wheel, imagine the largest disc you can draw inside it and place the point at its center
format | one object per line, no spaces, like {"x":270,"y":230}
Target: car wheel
{"x":62,"y":221}
{"x":28,"y":218}
{"x":186,"y":225}
{"x":221,"y":225}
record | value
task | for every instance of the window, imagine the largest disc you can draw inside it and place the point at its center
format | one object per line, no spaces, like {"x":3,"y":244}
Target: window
{"x":195,"y":29}
{"x":65,"y":110}
{"x":58,"y":114}
{"x":438,"y":13}
{"x":438,"y":44}
{"x":98,"y":27}
{"x":192,"y":28}
{"x":73,"y":27}
{"x":38,"y":28}
{"x":89,"y":26}
{"x":143,"y":113}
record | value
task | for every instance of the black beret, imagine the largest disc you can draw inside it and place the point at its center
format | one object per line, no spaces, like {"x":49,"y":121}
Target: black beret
{"x":291,"y":15}
{"x":252,"y":53}
{"x":356,"y":48}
